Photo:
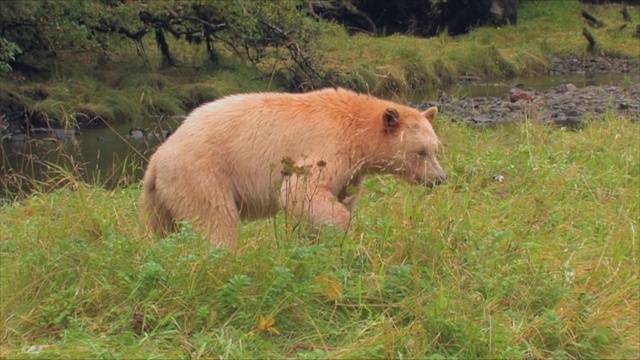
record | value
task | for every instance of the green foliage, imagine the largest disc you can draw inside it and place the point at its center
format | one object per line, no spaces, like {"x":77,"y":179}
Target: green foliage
{"x":8,"y":52}
{"x":38,"y":30}
{"x":276,"y":34}
{"x":230,"y":294}
{"x":43,"y":27}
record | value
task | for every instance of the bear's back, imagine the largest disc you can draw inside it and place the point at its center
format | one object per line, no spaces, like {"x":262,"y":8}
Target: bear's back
{"x":265,"y":126}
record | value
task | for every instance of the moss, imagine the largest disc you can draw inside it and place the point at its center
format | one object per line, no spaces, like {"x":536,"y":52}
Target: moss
{"x":37,"y":92}
{"x":193,"y":95}
{"x":445,"y":72}
{"x":124,"y":107}
{"x":49,"y":111}
{"x":93,"y":115}
{"x":157,"y":103}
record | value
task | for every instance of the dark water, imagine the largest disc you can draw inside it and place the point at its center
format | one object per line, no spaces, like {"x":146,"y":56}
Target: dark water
{"x":110,"y":156}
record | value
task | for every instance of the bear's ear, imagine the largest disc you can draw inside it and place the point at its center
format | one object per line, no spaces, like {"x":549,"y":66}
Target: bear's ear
{"x":430,"y":114}
{"x":390,"y":119}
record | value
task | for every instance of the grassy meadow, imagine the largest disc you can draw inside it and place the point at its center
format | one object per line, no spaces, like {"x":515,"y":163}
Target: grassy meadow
{"x":530,"y":250}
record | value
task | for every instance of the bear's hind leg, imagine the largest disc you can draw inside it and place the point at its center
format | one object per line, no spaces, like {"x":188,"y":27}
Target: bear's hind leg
{"x":154,"y":212}
{"x":157,"y":218}
{"x":217,"y":217}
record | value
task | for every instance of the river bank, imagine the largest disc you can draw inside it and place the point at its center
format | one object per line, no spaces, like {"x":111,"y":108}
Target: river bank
{"x":565,"y":105}
{"x":96,"y":154}
{"x":589,"y":65}
{"x":80,"y":91}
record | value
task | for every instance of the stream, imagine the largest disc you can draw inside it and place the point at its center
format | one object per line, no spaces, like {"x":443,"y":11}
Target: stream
{"x":116,"y":155}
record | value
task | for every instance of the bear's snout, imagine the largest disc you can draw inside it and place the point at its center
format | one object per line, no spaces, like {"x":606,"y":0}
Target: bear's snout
{"x":432,"y":180}
{"x":440,"y":178}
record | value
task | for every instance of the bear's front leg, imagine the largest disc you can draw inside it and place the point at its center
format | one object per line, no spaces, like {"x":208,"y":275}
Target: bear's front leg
{"x":313,"y":203}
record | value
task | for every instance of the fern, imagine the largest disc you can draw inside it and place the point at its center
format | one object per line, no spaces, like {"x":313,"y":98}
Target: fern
{"x":281,"y":285}
{"x":229,"y":295}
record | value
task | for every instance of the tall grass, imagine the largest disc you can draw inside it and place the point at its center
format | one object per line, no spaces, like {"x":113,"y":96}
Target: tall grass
{"x":529,"y":251}
{"x":411,"y":63}
{"x":93,"y":100}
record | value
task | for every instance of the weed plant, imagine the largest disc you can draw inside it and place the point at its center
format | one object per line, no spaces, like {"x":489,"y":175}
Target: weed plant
{"x":530,"y":250}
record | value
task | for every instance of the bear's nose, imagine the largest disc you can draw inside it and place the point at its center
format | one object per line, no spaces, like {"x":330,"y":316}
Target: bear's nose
{"x":440,"y":178}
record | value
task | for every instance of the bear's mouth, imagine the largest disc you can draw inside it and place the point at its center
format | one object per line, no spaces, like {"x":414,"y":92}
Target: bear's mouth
{"x":430,"y":183}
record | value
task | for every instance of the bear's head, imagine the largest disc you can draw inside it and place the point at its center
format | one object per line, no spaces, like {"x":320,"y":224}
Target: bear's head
{"x":412,"y":145}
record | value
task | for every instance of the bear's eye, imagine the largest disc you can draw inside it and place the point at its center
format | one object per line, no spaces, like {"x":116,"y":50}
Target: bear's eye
{"x":422,"y":153}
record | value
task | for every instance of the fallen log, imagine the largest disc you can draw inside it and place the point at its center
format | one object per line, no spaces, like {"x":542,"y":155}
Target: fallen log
{"x":592,"y":40}
{"x":626,"y":15}
{"x":592,"y":20}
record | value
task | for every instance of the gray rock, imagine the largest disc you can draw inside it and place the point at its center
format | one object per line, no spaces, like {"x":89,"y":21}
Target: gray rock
{"x":565,"y":105}
{"x":136,"y":133}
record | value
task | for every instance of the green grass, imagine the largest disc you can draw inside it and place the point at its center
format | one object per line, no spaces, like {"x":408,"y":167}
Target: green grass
{"x":128,"y":91}
{"x":541,"y":265}
{"x":408,"y":63}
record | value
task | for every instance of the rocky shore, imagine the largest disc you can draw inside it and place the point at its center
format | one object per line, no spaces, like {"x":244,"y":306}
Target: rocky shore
{"x":591,"y":65}
{"x":565,"y":105}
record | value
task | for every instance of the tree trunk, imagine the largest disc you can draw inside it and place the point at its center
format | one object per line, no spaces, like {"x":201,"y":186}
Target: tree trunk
{"x":211,"y":52}
{"x":167,"y":60}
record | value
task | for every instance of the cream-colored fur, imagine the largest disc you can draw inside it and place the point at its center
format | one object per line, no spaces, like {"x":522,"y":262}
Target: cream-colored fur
{"x":246,"y":156}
